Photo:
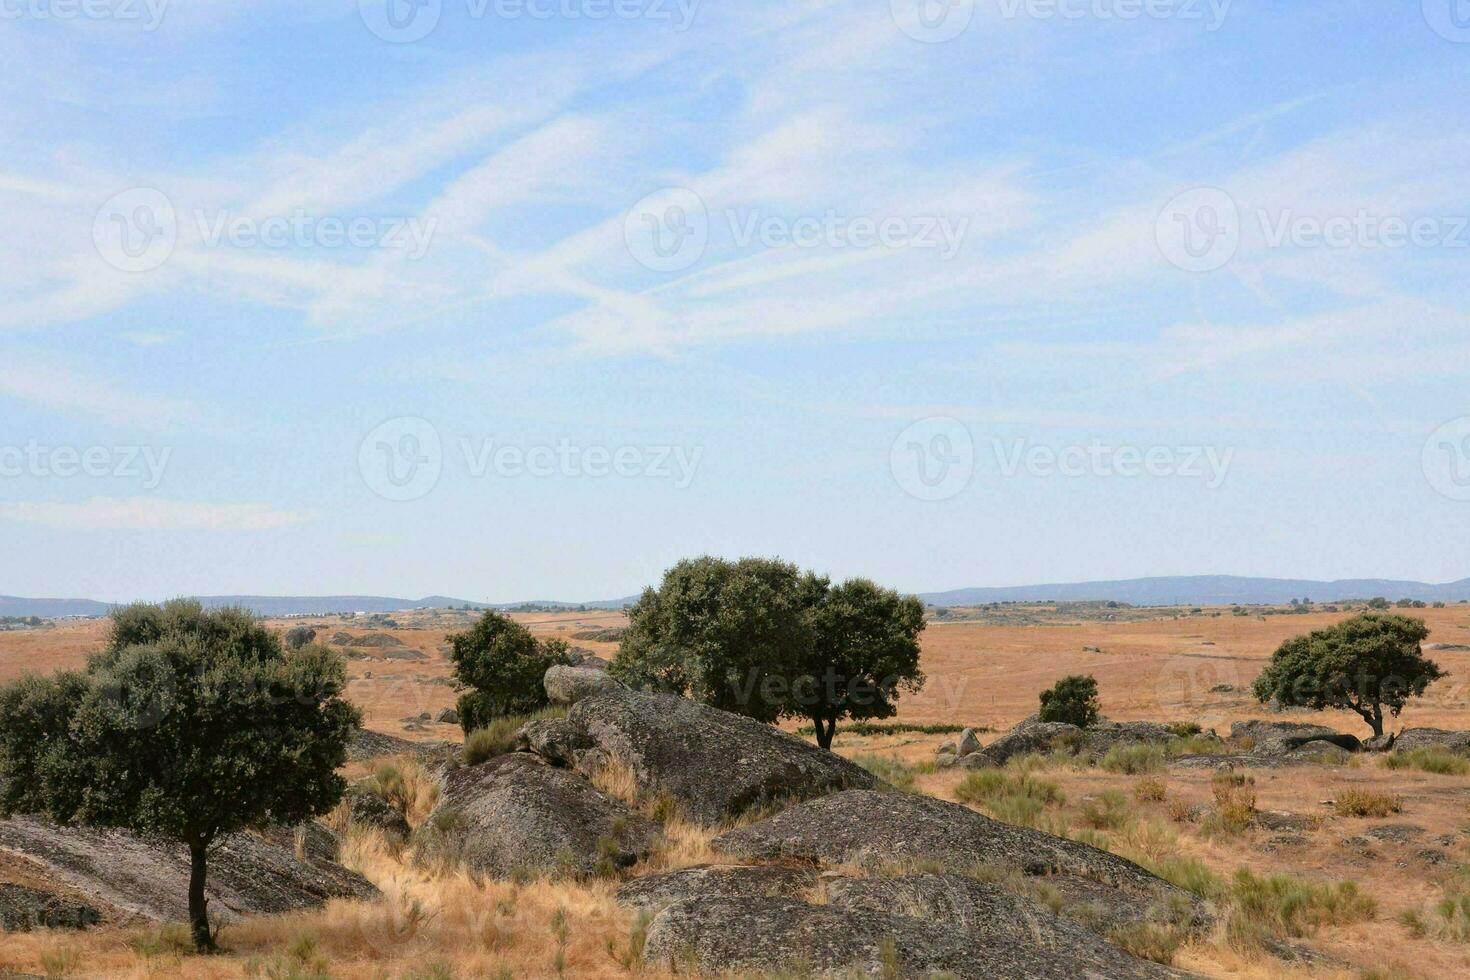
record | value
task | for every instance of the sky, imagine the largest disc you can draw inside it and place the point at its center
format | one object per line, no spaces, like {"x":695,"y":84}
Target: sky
{"x":518,"y":299}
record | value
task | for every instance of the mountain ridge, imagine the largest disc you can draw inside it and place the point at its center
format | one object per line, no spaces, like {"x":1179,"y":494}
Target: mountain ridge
{"x":1167,"y":590}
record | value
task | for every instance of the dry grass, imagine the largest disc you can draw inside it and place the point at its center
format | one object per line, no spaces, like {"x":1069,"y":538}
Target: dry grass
{"x":406,"y":785}
{"x":1354,"y":802}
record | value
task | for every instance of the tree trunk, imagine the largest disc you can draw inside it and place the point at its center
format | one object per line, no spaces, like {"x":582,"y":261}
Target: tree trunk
{"x":198,"y":904}
{"x":1376,"y":720}
{"x":825,"y":731}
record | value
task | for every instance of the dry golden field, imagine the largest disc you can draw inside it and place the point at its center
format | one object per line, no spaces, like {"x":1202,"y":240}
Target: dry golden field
{"x":979,"y":673}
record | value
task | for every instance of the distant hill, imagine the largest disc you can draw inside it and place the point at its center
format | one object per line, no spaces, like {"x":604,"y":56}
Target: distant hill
{"x":285,"y":605}
{"x":1195,"y":590}
{"x":1206,"y":590}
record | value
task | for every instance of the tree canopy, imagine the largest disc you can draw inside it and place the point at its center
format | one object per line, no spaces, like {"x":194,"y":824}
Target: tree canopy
{"x":1072,"y":700}
{"x":1365,"y":664}
{"x":500,"y":666}
{"x":762,"y":638}
{"x":191,"y":724}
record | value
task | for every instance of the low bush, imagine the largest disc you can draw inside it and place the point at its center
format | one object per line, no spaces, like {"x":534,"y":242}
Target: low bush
{"x":1235,"y":802}
{"x":1072,"y":700}
{"x":1133,"y":760}
{"x":1292,"y":907}
{"x":894,"y":772}
{"x":1109,"y":811}
{"x":1150,"y":791}
{"x":405,"y":785}
{"x":1433,"y":760}
{"x":499,"y":737}
{"x":1367,"y":803}
{"x":1018,"y":798}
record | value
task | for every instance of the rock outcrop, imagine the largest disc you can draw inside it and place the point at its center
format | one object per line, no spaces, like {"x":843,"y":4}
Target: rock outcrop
{"x":870,"y":829}
{"x":1278,"y":738}
{"x":773,"y":933}
{"x":23,"y":908}
{"x":128,"y":877}
{"x":568,"y":685}
{"x":515,"y":813}
{"x":1033,"y":735}
{"x":714,"y":764}
{"x":718,"y":881}
{"x":1423,"y":738}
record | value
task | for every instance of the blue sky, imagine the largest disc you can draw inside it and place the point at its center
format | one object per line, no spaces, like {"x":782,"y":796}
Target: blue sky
{"x":294,"y":300}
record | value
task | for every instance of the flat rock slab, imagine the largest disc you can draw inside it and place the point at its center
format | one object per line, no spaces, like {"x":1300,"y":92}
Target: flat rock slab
{"x":1274,"y":738}
{"x":1033,"y":735}
{"x":23,"y":909}
{"x":130,"y":877}
{"x":516,"y":814}
{"x":771,"y":934}
{"x":718,"y":881}
{"x":716,"y":765}
{"x":873,"y":829}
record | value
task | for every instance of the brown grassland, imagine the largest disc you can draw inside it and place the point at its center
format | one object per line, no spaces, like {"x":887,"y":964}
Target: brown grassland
{"x":981,"y":672}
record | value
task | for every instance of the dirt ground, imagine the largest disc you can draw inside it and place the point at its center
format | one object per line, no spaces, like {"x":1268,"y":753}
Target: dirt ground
{"x":1175,"y":668}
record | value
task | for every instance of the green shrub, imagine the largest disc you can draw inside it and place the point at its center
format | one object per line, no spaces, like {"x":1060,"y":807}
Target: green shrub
{"x":1150,"y":791}
{"x":1293,"y":907}
{"x":894,"y":772}
{"x":1015,"y":798}
{"x":1108,"y":811}
{"x":1072,"y":700}
{"x":1429,"y":759}
{"x":1367,"y":803}
{"x":1185,"y":729}
{"x":499,"y":737}
{"x":501,"y":666}
{"x":1133,"y":760}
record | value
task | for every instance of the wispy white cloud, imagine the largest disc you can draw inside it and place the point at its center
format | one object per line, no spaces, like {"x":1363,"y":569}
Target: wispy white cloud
{"x":150,"y":514}
{"x":49,"y":385}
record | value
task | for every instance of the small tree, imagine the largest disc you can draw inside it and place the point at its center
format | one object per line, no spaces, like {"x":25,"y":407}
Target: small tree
{"x":299,"y":636}
{"x":1072,"y":700}
{"x":500,"y":666}
{"x":190,"y":724}
{"x":1364,"y":664}
{"x":725,"y":633}
{"x":864,"y":652}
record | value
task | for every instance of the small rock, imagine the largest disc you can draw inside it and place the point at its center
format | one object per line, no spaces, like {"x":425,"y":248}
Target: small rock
{"x":447,"y":717}
{"x":969,"y":744}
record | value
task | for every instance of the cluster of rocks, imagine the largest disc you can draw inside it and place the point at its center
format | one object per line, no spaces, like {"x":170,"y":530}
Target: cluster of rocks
{"x":1035,"y":736}
{"x":845,"y":874}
